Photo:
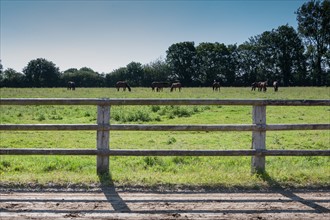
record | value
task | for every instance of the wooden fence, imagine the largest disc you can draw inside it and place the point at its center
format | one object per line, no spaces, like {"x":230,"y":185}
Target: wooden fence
{"x":103,"y":126}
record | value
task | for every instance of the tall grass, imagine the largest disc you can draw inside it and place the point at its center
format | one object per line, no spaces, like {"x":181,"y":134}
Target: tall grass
{"x":151,"y":171}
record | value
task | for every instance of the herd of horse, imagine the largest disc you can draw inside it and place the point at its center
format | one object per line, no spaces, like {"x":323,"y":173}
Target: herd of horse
{"x":159,"y":86}
{"x":262,"y":86}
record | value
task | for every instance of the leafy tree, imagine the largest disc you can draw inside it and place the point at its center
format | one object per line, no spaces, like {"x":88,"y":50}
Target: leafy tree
{"x":135,"y":74}
{"x":84,"y":77}
{"x":290,"y":58}
{"x":157,"y":70}
{"x":1,"y":71}
{"x":314,"y":25}
{"x":69,"y":75}
{"x":231,"y":65}
{"x":89,"y":78}
{"x":281,"y":53}
{"x":273,"y":55}
{"x":1,"y":67}
{"x":327,"y":60}
{"x":215,"y":62}
{"x":181,"y":58}
{"x":71,"y":70}
{"x":115,"y":76}
{"x":41,"y":73}
{"x":245,"y":62}
{"x":249,"y":61}
{"x":210,"y":62}
{"x":12,"y":78}
{"x":266,"y":50}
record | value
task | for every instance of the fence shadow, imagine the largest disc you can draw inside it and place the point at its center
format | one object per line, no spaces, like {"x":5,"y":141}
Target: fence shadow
{"x":112,"y":196}
{"x":290,"y":194}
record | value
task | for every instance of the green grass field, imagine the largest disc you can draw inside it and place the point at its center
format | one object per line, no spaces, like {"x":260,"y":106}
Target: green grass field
{"x":154,"y":171}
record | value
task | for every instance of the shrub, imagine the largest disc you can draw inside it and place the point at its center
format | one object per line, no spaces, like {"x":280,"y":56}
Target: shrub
{"x":155,"y":108}
{"x":152,"y":161}
{"x":171,"y":140}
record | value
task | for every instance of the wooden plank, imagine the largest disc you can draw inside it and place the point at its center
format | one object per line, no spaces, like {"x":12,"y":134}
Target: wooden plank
{"x":103,"y":138}
{"x":231,"y":127}
{"x":296,"y":153}
{"x":258,"y":139}
{"x":130,"y":127}
{"x":298,"y":102}
{"x":290,"y":127}
{"x":93,"y":152}
{"x":224,"y":127}
{"x":139,"y":127}
{"x":50,"y":127}
{"x":135,"y":101}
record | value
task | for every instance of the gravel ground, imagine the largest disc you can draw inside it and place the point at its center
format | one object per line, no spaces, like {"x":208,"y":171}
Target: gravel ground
{"x":135,"y":203}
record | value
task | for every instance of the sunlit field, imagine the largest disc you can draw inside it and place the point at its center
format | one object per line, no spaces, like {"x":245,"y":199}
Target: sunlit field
{"x":169,"y":171}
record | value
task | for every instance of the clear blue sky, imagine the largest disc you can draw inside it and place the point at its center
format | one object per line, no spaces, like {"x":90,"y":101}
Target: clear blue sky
{"x":105,"y":35}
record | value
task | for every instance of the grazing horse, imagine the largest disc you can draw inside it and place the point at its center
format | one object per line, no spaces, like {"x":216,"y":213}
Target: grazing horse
{"x":71,"y":85}
{"x":262,"y":86}
{"x":275,"y":85}
{"x":254,"y":86}
{"x":159,"y":86}
{"x":123,"y":84}
{"x":216,"y":86}
{"x":176,"y":85}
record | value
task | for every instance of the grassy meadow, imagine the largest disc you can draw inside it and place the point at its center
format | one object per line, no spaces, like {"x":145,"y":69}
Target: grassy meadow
{"x":150,"y":171}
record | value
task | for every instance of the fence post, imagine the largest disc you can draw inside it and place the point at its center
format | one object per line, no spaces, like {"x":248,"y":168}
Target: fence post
{"x":103,"y":118}
{"x":258,"y":138}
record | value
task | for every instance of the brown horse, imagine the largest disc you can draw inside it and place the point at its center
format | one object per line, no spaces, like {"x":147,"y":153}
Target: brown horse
{"x":159,"y":86}
{"x":176,"y":85}
{"x":254,"y":86}
{"x":262,"y":86}
{"x":216,"y":86}
{"x":123,"y":84}
{"x":71,"y":85}
{"x":275,"y":85}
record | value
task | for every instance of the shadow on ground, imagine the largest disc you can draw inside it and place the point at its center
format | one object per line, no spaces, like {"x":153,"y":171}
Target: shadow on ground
{"x":290,"y":194}
{"x":111,"y":194}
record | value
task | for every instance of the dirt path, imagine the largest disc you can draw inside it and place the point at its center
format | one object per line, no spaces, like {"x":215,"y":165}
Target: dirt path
{"x":114,"y":203}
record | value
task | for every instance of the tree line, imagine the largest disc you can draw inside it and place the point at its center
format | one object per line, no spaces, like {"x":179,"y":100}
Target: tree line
{"x":292,"y":57}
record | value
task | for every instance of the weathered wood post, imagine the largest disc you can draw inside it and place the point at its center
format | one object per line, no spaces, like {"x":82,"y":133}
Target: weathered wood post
{"x":258,"y":138}
{"x":103,"y":119}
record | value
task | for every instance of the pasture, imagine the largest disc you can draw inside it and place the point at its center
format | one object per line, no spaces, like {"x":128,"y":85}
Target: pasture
{"x":154,"y":171}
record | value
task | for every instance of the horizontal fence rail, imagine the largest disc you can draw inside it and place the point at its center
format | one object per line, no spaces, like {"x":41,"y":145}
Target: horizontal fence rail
{"x":82,"y":101}
{"x":132,"y":127}
{"x":23,"y":151}
{"x":103,"y":128}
